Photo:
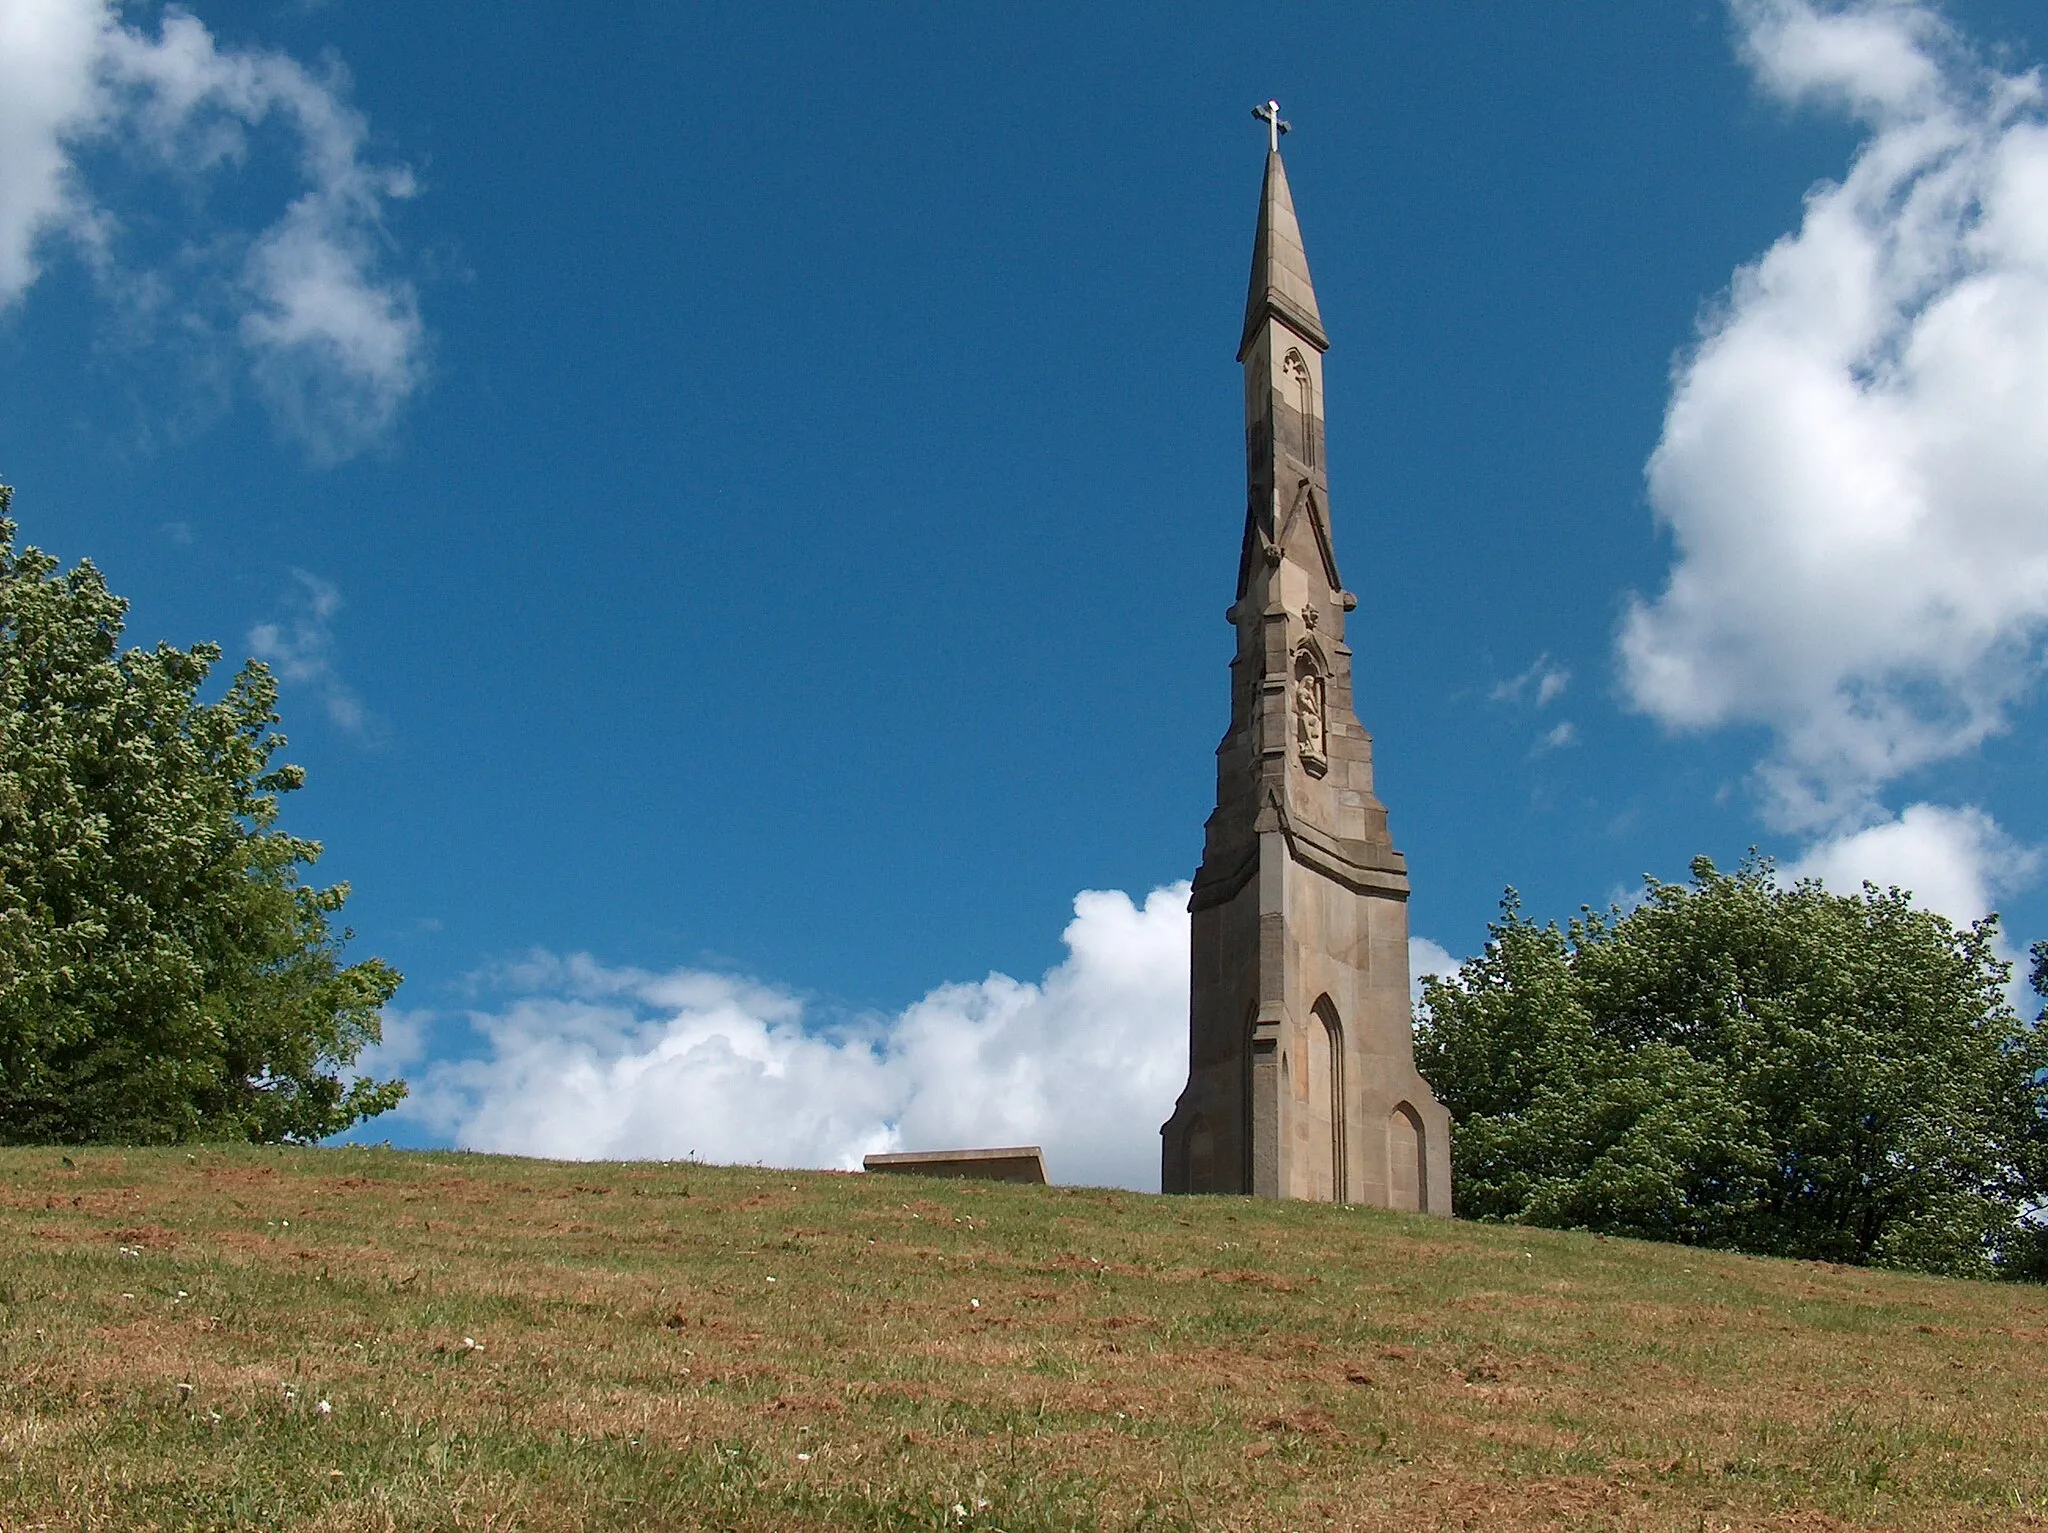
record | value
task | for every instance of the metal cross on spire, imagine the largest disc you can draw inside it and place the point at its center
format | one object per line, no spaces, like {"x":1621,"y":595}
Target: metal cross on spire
{"x":1269,"y":114}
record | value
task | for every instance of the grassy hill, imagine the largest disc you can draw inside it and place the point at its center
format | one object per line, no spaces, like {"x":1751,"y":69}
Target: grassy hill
{"x":373,"y":1339}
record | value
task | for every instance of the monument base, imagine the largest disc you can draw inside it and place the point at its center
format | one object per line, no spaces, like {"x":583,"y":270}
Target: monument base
{"x":1021,"y":1163}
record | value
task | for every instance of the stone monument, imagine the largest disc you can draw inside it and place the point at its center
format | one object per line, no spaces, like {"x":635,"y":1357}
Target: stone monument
{"x":1016,"y":1163}
{"x":1301,"y":1051}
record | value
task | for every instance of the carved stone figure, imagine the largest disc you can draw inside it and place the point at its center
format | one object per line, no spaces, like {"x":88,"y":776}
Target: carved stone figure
{"x":1308,"y":716}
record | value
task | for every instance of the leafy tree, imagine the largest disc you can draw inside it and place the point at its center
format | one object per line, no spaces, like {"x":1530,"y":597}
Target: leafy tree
{"x":164,"y":972}
{"x":1736,"y":1063}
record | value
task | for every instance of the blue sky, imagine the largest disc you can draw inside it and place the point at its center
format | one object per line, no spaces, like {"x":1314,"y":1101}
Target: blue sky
{"x":743,"y":498}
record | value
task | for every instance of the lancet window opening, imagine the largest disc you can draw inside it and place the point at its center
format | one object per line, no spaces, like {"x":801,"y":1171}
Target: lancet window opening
{"x":1296,"y":368}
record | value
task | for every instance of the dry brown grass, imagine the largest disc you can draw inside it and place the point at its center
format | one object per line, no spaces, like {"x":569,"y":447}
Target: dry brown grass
{"x":517,"y":1344}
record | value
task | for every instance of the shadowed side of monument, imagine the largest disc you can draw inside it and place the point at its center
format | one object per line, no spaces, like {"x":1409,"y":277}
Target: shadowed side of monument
{"x":1301,"y":1068}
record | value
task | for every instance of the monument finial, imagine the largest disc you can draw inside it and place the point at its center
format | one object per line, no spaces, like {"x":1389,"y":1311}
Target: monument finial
{"x":1269,"y":114}
{"x":1280,"y":283}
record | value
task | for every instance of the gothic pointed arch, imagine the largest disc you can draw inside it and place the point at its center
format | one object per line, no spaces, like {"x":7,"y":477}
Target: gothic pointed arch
{"x":1307,"y":504}
{"x":1407,"y":1159}
{"x":1301,"y":390}
{"x":1330,"y":1052}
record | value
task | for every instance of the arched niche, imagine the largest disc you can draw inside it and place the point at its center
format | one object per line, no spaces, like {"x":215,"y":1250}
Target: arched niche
{"x":1407,"y":1160}
{"x":1311,"y":708}
{"x":1324,"y":1101}
{"x":1301,"y":391}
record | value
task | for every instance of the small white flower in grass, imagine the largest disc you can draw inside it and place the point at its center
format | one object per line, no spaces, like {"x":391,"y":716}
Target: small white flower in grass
{"x":803,"y":1458}
{"x":127,"y":1295}
{"x":959,"y":1512}
{"x":771,"y":1280}
{"x":471,"y":1344}
{"x":324,"y":1408}
{"x":974,"y":1304}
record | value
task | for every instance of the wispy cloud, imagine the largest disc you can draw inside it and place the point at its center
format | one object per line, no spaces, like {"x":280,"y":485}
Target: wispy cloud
{"x":329,"y":333}
{"x":1542,"y":684}
{"x":299,"y":647}
{"x":1556,"y":738}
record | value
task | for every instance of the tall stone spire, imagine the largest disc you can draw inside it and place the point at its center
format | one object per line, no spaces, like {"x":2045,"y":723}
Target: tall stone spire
{"x":1301,"y":1068}
{"x":1280,"y":281}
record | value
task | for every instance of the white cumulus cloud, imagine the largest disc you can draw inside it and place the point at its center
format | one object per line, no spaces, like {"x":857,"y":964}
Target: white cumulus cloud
{"x":587,"y":1061}
{"x":49,"y":53}
{"x":581,"y":1060}
{"x":1427,"y":958}
{"x":331,"y":337}
{"x":1854,"y":461}
{"x":1956,"y":861}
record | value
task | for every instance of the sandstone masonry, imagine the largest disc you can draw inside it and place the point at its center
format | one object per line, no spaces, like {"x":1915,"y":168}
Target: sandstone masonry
{"x":1301,"y":1071}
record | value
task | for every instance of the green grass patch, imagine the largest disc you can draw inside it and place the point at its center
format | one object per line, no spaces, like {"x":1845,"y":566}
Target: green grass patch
{"x":380,"y":1340}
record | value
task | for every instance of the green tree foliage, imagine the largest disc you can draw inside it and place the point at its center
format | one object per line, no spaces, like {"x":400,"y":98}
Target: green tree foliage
{"x":164,"y":972}
{"x":1735,"y":1063}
